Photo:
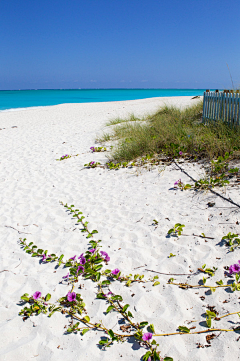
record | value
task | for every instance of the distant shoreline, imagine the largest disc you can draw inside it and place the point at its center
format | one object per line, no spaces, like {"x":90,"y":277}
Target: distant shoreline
{"x":23,"y":99}
{"x":173,"y":99}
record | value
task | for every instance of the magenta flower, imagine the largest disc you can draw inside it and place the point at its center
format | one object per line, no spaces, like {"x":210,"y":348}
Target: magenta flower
{"x":73,"y":258}
{"x":104,"y":254}
{"x":67,"y":276}
{"x":116,"y":271}
{"x":108,"y":294}
{"x":36,"y":295}
{"x":71,"y":296}
{"x":180,"y":153}
{"x":44,"y":257}
{"x":92,"y":250}
{"x":80,"y":268}
{"x":82,"y":260}
{"x":92,"y":163}
{"x":234,"y":268}
{"x":147,"y":336}
{"x":177,"y":182}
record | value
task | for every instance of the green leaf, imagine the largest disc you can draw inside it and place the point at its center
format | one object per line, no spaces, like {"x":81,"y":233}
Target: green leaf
{"x":106,"y":282}
{"x":209,"y":321}
{"x":156,"y":283}
{"x":109,"y":309}
{"x":151,"y":326}
{"x":24,"y":298}
{"x":219,"y":282}
{"x":130,"y":314}
{"x":86,"y":318}
{"x":156,"y":355}
{"x":210,"y":313}
{"x":98,"y":267}
{"x":125,"y":308}
{"x":168,"y":359}
{"x":98,"y":275}
{"x":111,"y":334}
{"x":85,"y":330}
{"x":117,"y":298}
{"x":101,"y":296}
{"x":143,"y":324}
{"x":103,"y":342}
{"x":48,"y":296}
{"x":68,"y":264}
{"x":146,"y":356}
{"x":183,"y":329}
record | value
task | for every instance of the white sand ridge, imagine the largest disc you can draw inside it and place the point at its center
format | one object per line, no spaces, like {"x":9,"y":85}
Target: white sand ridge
{"x":121,"y":206}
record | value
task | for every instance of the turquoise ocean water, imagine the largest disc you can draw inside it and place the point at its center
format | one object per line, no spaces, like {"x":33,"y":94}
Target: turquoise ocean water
{"x":12,"y":99}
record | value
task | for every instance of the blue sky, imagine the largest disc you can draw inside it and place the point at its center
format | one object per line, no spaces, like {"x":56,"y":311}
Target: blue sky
{"x":52,"y":44}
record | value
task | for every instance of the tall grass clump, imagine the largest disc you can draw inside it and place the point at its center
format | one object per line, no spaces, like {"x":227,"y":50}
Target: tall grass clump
{"x":170,"y":131}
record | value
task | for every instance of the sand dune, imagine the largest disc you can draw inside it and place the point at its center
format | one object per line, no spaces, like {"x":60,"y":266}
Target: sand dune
{"x":121,"y":205}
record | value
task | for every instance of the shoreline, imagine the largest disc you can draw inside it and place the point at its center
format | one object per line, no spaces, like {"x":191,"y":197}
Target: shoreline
{"x":101,"y":102}
{"x":95,"y":97}
{"x":121,"y":205}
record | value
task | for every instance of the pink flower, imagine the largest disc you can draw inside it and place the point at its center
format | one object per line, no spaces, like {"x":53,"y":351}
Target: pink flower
{"x":44,"y":257}
{"x":71,"y":296}
{"x":115,"y":271}
{"x":67,"y":276}
{"x":92,"y":250}
{"x":180,"y":153}
{"x":177,"y":182}
{"x":82,"y":260}
{"x":104,"y":254}
{"x":73,"y":258}
{"x":80,"y":268}
{"x":234,"y":268}
{"x":36,"y":295}
{"x":147,"y":336}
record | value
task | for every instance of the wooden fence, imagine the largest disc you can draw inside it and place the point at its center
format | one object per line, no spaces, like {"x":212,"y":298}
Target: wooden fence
{"x":223,"y":106}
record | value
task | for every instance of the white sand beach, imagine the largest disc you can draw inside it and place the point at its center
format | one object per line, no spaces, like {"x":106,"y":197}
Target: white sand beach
{"x":121,"y":205}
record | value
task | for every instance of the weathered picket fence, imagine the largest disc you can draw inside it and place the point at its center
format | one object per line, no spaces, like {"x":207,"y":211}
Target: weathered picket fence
{"x":223,"y":106}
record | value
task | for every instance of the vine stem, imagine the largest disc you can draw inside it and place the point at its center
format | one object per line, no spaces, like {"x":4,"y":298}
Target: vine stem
{"x":120,"y":310}
{"x":228,"y":314}
{"x":196,"y":286}
{"x":73,"y":211}
{"x":192,"y":333}
{"x":94,"y":325}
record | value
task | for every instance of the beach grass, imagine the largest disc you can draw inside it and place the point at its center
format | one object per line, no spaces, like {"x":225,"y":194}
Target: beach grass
{"x":170,"y":131}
